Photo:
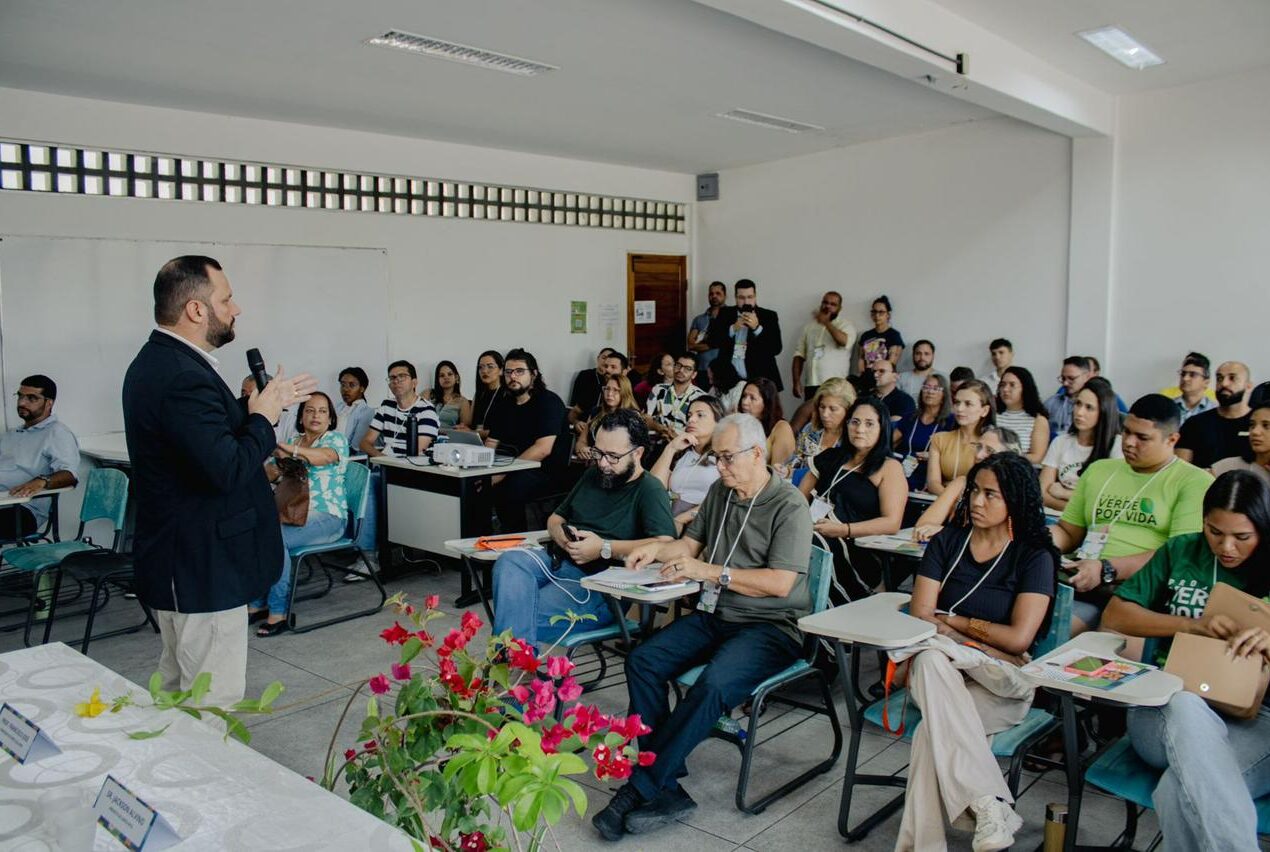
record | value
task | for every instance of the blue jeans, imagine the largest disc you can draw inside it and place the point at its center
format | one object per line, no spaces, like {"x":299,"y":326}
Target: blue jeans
{"x":367,"y":537}
{"x":525,"y":598}
{"x":320,"y":528}
{"x":737,"y":657}
{"x":1213,"y":768}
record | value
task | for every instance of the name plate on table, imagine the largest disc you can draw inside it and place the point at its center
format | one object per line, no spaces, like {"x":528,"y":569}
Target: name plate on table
{"x":134,"y":823}
{"x":22,"y":738}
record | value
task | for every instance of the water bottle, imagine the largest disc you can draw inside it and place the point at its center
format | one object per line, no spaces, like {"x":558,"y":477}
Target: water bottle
{"x":412,"y":435}
{"x":728,"y":725}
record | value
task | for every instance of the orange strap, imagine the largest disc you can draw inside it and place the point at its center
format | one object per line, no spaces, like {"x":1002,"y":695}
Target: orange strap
{"x":891,"y":668}
{"x":499,"y":542}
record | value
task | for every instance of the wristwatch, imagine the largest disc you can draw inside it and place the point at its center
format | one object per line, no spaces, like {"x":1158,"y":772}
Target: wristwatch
{"x":725,"y":577}
{"x":1108,"y":572}
{"x":606,"y":550}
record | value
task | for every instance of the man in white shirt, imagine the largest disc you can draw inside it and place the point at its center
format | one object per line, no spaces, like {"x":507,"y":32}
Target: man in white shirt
{"x":824,"y":347}
{"x":911,"y":381}
{"x":1002,"y":353}
{"x":40,"y":454}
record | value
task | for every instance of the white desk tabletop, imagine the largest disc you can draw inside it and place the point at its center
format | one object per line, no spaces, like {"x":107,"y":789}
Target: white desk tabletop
{"x":900,"y":543}
{"x":875,"y":621}
{"x":217,"y":794}
{"x":7,"y":499}
{"x":1152,"y":689}
{"x":641,"y":594}
{"x":110,"y":447}
{"x":467,"y":546}
{"x":425,"y":465}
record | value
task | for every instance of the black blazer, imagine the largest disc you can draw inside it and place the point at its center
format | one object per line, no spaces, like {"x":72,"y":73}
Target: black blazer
{"x":761,"y":351}
{"x":208,"y":537}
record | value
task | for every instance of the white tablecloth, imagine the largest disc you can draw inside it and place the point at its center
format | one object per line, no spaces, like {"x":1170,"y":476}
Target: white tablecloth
{"x":217,"y":794}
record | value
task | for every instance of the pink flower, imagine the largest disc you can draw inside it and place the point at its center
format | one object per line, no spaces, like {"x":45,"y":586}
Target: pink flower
{"x":552,"y":737}
{"x":432,"y":601}
{"x":542,"y":702}
{"x":395,"y":635}
{"x":350,"y":753}
{"x":379,"y":684}
{"x":629,"y":727}
{"x":587,"y":721}
{"x":470,"y":623}
{"x":520,"y":692}
{"x":646,"y":758}
{"x":570,"y":690}
{"x":401,"y":671}
{"x":558,"y":667}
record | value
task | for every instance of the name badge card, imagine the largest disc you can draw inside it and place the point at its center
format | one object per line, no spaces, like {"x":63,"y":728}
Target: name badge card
{"x":22,"y":738}
{"x":133,"y":823}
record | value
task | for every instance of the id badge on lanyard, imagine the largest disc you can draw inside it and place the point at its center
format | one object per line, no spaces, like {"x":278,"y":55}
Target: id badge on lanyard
{"x":709,"y":599}
{"x":909,"y":464}
{"x":1095,"y":541}
{"x":710,"y":592}
{"x":820,"y":508}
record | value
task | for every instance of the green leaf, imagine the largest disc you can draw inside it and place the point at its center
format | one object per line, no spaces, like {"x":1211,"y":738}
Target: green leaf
{"x":198,"y":689}
{"x":247,"y":705}
{"x":459,"y":742}
{"x":525,"y":814}
{"x":190,"y":711}
{"x":236,"y":729}
{"x":569,"y":764}
{"x":510,"y":786}
{"x":372,"y":707}
{"x":271,"y":693}
{"x":156,"y":685}
{"x":486,"y":775}
{"x":411,"y":649}
{"x":575,"y":792}
{"x":148,"y":735}
{"x":553,"y":805}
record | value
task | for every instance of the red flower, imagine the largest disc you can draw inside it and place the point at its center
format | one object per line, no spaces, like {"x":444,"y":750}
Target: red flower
{"x":619,"y":767}
{"x":601,"y":753}
{"x":379,"y":684}
{"x":395,"y":635}
{"x":470,"y":623}
{"x":558,"y":667}
{"x":426,"y":638}
{"x":350,"y":753}
{"x":454,"y":640}
{"x":521,"y":655}
{"x":520,"y":693}
{"x":401,"y":671}
{"x":552,"y":737}
{"x":410,"y":610}
{"x":432,"y":601}
{"x":570,"y":690}
{"x":474,"y":842}
{"x":370,"y":745}
{"x":587,"y":721}
{"x":646,"y":758}
{"x":630,"y":727}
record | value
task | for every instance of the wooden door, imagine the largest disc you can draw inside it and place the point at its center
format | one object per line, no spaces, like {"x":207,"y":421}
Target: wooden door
{"x":662,"y":280}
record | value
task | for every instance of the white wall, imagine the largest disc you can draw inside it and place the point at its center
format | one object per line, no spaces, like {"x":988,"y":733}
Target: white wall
{"x":456,"y":286}
{"x":966,"y":229}
{"x":1192,"y":229}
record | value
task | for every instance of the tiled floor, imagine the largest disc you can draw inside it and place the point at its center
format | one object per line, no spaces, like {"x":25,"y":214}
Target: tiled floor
{"x":320,"y":668}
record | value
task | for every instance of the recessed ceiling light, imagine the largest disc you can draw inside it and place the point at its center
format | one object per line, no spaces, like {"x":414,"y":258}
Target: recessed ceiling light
{"x":773,"y":122}
{"x":1122,"y":47}
{"x":455,"y":52}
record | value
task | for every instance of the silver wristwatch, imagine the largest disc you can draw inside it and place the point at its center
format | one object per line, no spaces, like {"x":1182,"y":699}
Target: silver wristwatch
{"x":606,"y":550}
{"x":725,"y":577}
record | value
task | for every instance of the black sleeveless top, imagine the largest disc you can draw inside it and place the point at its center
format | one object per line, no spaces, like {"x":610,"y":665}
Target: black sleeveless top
{"x":854,"y":498}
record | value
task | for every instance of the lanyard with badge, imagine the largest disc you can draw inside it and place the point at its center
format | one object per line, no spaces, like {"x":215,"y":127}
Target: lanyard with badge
{"x":910,"y":461}
{"x":820,"y":506}
{"x":1096,"y":540}
{"x":710,"y":591}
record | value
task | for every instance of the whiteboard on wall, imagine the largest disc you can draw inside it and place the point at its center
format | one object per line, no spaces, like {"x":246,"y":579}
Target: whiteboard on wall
{"x":78,"y":310}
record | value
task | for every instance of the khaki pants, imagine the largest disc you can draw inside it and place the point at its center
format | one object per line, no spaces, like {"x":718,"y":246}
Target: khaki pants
{"x":951,"y":762}
{"x":214,"y":642}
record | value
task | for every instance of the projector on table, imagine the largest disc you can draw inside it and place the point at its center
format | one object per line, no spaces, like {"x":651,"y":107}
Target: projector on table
{"x":463,"y":455}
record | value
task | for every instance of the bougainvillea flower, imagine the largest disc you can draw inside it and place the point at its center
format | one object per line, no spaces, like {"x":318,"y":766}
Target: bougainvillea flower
{"x":432,"y":601}
{"x":395,"y":635}
{"x":570,"y":690}
{"x":401,"y":671}
{"x":558,"y":667}
{"x":379,"y":684}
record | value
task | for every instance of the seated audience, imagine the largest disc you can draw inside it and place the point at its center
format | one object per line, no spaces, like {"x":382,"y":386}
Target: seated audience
{"x":617,"y":395}
{"x":686,"y":468}
{"x":747,"y":335}
{"x":527,"y":427}
{"x":1001,"y":351}
{"x":897,"y":402}
{"x":1072,"y":378}
{"x":353,"y":411}
{"x":823,"y":351}
{"x":1019,"y":409}
{"x":749,"y":545}
{"x":1257,"y":459}
{"x":1214,"y":765}
{"x":1192,"y":393}
{"x":324,"y":451}
{"x":912,"y":434}
{"x":725,"y":384}
{"x":612,"y":508}
{"x":1094,"y":435}
{"x":911,"y":381}
{"x":880,"y":343}
{"x":40,"y":454}
{"x":828,"y":421}
{"x":952,"y":453}
{"x":1122,"y":510}
{"x":994,"y":440}
{"x":988,"y":579}
{"x":958,"y":377}
{"x":662,"y":371}
{"x":856,"y":490}
{"x":761,"y":400}
{"x":586,"y":387}
{"x":669,"y":401}
{"x":387,"y":433}
{"x":1221,"y":433}
{"x":447,"y":396}
{"x":489,"y":390}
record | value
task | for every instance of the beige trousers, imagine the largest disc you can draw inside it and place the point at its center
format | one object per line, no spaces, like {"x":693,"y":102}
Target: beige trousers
{"x":214,"y":642}
{"x":951,"y":762}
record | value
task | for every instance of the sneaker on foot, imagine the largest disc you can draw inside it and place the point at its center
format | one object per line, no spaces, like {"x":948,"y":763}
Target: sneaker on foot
{"x":666,"y":808}
{"x":995,"y":824}
{"x":609,"y":821}
{"x":350,"y":577}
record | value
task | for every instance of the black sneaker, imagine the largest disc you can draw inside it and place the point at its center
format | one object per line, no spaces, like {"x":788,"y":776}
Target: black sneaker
{"x":667,"y":807}
{"x":609,"y":822}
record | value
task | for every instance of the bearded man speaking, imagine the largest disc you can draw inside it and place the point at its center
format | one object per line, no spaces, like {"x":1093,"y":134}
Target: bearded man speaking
{"x":613,"y":509}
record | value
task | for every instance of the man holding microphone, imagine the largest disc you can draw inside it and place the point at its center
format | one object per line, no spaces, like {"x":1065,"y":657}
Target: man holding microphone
{"x":207,"y":538}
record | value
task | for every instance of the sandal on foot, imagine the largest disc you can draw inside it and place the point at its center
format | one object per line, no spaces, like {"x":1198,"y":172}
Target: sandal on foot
{"x":273,"y":628}
{"x":258,"y":615}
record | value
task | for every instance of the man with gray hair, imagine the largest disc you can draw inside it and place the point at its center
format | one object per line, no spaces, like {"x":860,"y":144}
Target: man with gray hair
{"x":749,"y":546}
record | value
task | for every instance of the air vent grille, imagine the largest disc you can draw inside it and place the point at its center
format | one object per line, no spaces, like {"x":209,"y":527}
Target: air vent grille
{"x":455,"y":52}
{"x":774,"y":122}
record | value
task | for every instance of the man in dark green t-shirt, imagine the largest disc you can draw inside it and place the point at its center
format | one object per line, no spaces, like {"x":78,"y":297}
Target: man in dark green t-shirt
{"x":613,"y":508}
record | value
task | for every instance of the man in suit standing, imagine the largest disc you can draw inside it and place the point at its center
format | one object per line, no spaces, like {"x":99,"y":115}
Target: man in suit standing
{"x":747,"y":335}
{"x":208,"y":538}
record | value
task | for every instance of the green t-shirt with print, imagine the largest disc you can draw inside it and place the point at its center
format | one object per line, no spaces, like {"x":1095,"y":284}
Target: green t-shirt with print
{"x":1178,"y":580}
{"x":1142,"y":512}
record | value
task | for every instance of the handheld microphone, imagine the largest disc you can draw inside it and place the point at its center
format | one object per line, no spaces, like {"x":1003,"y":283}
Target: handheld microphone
{"x":257,"y":366}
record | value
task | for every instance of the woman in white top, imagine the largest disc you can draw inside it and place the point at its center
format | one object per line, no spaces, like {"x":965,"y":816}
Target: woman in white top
{"x":353,"y":412}
{"x":686,"y":467}
{"x":1257,"y":458}
{"x":1095,"y":434}
{"x":1019,"y":408}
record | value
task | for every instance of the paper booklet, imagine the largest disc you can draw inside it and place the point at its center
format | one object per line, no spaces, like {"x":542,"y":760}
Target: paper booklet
{"x":1086,"y":669}
{"x":646,"y":577}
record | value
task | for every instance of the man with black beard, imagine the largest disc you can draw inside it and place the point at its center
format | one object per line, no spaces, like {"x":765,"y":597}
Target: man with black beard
{"x":613,"y":509}
{"x":1223,"y":432}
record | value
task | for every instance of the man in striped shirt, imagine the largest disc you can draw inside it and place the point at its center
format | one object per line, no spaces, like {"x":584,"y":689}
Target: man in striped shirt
{"x":389,"y":422}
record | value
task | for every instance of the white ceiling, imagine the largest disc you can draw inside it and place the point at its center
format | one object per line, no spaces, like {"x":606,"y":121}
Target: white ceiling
{"x":640,"y":80}
{"x":1198,"y":39}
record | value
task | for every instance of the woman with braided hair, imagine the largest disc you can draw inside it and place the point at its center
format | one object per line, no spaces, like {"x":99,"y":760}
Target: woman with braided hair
{"x":988,"y":581}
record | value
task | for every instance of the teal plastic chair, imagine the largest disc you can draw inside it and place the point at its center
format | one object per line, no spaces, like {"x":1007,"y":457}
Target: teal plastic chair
{"x":1120,"y":772}
{"x":1012,"y":745}
{"x":819,"y":581}
{"x":357,"y":491}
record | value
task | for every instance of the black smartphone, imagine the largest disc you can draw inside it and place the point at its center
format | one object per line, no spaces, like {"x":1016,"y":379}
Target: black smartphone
{"x":571,"y":534}
{"x":746,"y":309}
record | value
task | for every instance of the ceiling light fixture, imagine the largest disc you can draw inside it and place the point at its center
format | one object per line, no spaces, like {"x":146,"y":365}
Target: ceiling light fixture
{"x":1122,"y":47}
{"x":773,"y":122}
{"x":455,"y":52}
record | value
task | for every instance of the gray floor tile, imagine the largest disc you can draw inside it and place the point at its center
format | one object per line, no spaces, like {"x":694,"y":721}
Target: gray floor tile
{"x":574,"y":833}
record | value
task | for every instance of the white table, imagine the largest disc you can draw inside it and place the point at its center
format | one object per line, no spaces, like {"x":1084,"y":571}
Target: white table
{"x":218,"y":794}
{"x":478,"y":581}
{"x":110,"y":448}
{"x":1152,"y":689}
{"x":8,"y":499}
